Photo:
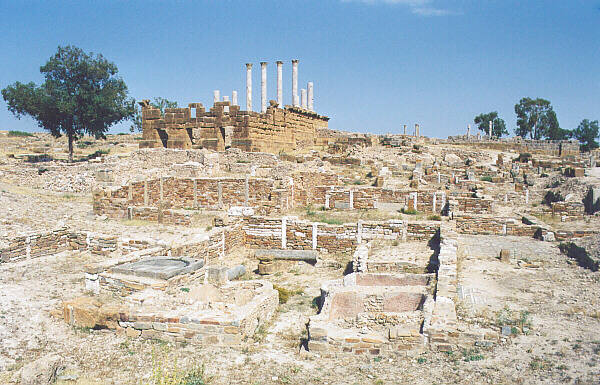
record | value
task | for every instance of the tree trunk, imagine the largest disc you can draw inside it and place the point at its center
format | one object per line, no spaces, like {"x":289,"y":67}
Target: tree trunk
{"x":70,"y":147}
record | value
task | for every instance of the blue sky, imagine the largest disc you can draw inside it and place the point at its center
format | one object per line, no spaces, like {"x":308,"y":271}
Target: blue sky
{"x":376,"y":64}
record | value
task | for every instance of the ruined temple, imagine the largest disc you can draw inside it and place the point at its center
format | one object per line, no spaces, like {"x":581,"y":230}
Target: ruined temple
{"x":276,"y":128}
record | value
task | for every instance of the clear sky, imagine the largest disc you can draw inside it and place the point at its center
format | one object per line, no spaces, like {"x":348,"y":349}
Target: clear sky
{"x":376,"y":64}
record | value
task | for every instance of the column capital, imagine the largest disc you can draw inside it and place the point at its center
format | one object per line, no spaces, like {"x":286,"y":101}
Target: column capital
{"x":263,"y":63}
{"x":295,"y":61}
{"x":248,"y":65}
{"x":279,"y":62}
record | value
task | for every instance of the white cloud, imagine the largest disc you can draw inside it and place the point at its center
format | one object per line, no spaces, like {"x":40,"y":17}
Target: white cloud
{"x":418,"y":7}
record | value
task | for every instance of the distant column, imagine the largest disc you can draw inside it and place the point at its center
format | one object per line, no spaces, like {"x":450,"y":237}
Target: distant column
{"x":263,"y":86}
{"x":249,"y":86}
{"x":216,"y":96}
{"x":311,"y":96}
{"x":280,"y":83}
{"x":405,"y":129}
{"x":234,"y":100}
{"x":303,"y":98}
{"x":295,"y":101}
{"x":416,"y":130}
{"x":226,"y":99}
{"x":490,"y":130}
{"x":468,"y":130}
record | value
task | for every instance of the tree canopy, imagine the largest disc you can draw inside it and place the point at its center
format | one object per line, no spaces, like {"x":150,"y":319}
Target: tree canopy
{"x":81,"y":94}
{"x":158,"y":102}
{"x":537,"y":119}
{"x":587,"y":133}
{"x":498,"y":125}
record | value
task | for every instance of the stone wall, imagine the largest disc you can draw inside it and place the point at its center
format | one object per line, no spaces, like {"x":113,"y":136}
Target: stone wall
{"x":559,"y":148}
{"x":179,"y":325}
{"x":225,"y":125}
{"x":293,"y":233}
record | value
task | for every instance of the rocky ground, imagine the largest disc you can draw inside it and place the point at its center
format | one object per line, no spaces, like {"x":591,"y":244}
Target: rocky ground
{"x":550,"y":303}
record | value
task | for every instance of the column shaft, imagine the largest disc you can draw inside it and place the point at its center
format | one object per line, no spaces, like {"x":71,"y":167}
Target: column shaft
{"x":280,"y":83}
{"x":295,"y":101}
{"x":249,"y":87}
{"x":263,"y":87}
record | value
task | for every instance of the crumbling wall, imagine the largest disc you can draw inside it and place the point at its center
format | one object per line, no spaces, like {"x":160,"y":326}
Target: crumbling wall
{"x":225,"y":125}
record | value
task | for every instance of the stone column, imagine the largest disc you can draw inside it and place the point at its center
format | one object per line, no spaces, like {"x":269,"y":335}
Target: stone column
{"x":249,"y":87}
{"x":416,"y":130}
{"x":311,"y":97}
{"x":490,"y":130}
{"x":295,"y":101}
{"x":234,"y":101}
{"x":468,"y":130}
{"x":405,"y":129}
{"x":263,"y":86}
{"x":303,"y":98}
{"x":280,"y":83}
{"x":216,"y":96}
{"x":225,"y":99}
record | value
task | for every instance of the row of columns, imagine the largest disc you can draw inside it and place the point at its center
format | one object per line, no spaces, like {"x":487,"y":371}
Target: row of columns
{"x":417,"y":130}
{"x":304,"y":100}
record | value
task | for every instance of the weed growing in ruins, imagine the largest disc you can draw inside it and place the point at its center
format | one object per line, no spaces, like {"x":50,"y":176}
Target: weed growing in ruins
{"x":174,"y":375}
{"x":434,"y":218}
{"x":472,"y":355}
{"x":285,"y":294}
{"x":486,"y":178}
{"x":421,"y":360}
{"x":409,"y":211}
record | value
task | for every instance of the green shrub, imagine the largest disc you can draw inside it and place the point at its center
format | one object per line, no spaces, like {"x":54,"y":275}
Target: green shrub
{"x":97,"y":154}
{"x":524,"y":157}
{"x":84,"y":144}
{"x":552,"y":197}
{"x":285,"y":294}
{"x":357,"y":182}
{"x":486,"y":178}
{"x":19,"y":133}
{"x":434,"y":218}
{"x":409,"y":211}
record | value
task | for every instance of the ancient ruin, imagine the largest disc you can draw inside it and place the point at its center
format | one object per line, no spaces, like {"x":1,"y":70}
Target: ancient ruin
{"x":266,"y":240}
{"x":275,"y":128}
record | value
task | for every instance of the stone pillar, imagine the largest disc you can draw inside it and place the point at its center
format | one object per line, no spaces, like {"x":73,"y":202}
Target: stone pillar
{"x":468,"y":130}
{"x":216,"y":96}
{"x":527,"y":196}
{"x":234,"y":101}
{"x":351,"y":200}
{"x":417,"y":130}
{"x":249,"y":87}
{"x":439,"y":177}
{"x":295,"y":101}
{"x":263,"y":86}
{"x":303,"y":99}
{"x":490,"y":130}
{"x":314,"y":236}
{"x":283,"y":232}
{"x":311,"y":96}
{"x":226,"y":99}
{"x":280,"y":83}
{"x":405,"y":129}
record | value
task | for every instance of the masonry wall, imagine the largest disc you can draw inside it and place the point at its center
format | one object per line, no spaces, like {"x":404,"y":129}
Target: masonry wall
{"x":268,"y":233}
{"x":546,"y":147}
{"x":225,"y":125}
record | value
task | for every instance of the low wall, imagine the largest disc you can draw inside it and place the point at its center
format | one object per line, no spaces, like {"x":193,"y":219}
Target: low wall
{"x":293,"y":233}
